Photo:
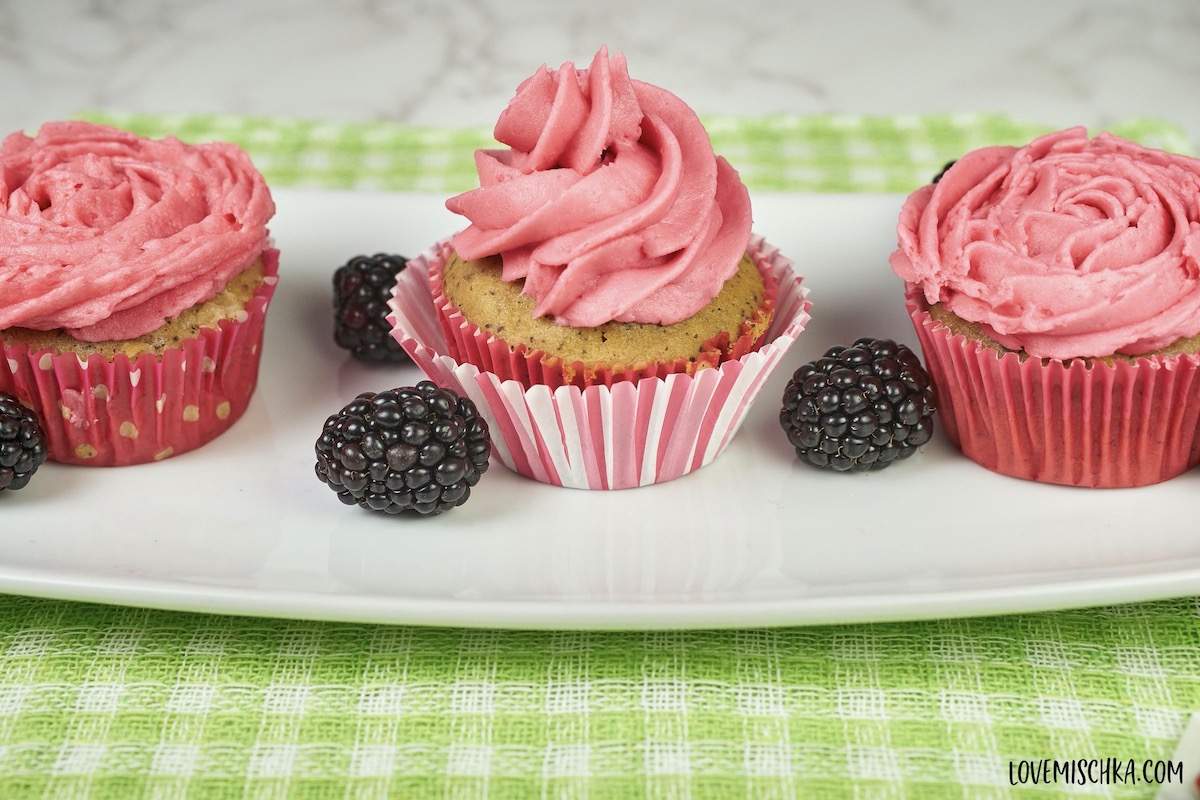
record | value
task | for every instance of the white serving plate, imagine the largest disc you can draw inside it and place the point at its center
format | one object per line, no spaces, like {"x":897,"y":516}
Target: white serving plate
{"x":242,"y":526}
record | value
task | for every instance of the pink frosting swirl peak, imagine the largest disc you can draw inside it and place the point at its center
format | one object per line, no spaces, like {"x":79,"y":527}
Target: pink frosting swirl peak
{"x":1069,"y":247}
{"x":609,"y":203}
{"x":108,"y":235}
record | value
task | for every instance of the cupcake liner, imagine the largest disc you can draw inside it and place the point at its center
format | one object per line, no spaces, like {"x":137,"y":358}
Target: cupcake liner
{"x":111,"y":412}
{"x":1095,"y":425}
{"x":619,"y":436}
{"x":468,"y":343}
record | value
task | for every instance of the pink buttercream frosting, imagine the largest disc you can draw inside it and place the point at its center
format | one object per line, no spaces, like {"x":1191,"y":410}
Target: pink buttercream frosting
{"x":609,"y":203}
{"x":108,"y":235}
{"x":1068,"y":247}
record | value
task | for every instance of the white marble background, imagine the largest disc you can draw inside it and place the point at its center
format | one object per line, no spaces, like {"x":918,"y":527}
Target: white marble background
{"x":457,"y":61}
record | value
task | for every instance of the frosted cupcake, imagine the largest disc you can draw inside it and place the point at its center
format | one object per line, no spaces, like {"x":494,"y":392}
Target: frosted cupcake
{"x":608,"y":248}
{"x":135,"y":279}
{"x":1056,"y":292}
{"x":609,"y":241}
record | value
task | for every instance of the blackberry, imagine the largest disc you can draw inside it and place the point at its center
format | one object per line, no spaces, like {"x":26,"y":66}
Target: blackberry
{"x":418,"y":449}
{"x":943,"y":171}
{"x":361,"y":290}
{"x":859,"y":408}
{"x":22,"y":444}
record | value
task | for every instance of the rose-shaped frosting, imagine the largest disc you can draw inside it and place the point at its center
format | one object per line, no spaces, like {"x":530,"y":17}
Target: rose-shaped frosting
{"x":610,"y":203}
{"x":1067,"y":248}
{"x":108,"y":235}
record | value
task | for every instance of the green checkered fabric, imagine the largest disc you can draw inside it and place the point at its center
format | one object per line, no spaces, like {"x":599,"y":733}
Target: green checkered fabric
{"x":827,"y":153}
{"x":122,"y":703}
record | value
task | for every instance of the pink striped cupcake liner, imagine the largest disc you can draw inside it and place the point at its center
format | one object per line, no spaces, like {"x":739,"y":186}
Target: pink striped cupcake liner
{"x":629,"y":434}
{"x":1076,"y":424}
{"x":110,"y":412}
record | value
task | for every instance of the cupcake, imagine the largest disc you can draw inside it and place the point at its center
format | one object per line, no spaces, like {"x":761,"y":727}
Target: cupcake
{"x":608,"y":249}
{"x":1055,"y":289}
{"x":541,"y":350}
{"x":609,"y":241}
{"x":135,"y":279}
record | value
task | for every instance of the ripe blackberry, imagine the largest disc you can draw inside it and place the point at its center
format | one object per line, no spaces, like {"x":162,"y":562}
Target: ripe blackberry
{"x":943,"y":171}
{"x":859,"y":408}
{"x":418,"y":449}
{"x":22,"y":444}
{"x":361,"y":290}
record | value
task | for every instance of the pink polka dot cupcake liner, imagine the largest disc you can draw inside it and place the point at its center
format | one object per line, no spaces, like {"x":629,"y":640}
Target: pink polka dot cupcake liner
{"x":1094,"y":425}
{"x":620,"y":436}
{"x":112,"y":412}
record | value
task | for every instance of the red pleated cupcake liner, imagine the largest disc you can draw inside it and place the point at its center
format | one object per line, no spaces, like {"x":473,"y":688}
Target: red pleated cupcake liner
{"x":100,"y":411}
{"x":620,"y":435}
{"x":468,"y":343}
{"x":1071,"y":423}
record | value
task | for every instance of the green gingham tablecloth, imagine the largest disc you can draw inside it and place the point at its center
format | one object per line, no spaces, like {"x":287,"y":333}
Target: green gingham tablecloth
{"x":124,"y":703}
{"x":828,"y":153}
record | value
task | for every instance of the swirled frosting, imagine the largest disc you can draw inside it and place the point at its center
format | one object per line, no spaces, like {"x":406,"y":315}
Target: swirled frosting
{"x":108,"y":235}
{"x":1069,"y":247}
{"x":609,"y":203}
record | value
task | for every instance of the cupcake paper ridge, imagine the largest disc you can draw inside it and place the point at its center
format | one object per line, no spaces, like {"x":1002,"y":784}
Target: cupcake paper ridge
{"x":1075,"y":423}
{"x":120,"y":411}
{"x":467,"y":342}
{"x":621,"y":435}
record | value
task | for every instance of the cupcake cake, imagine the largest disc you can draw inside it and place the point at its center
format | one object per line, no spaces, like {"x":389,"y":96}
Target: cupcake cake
{"x":1055,"y":289}
{"x":135,"y":276}
{"x":608,"y":247}
{"x":608,"y":242}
